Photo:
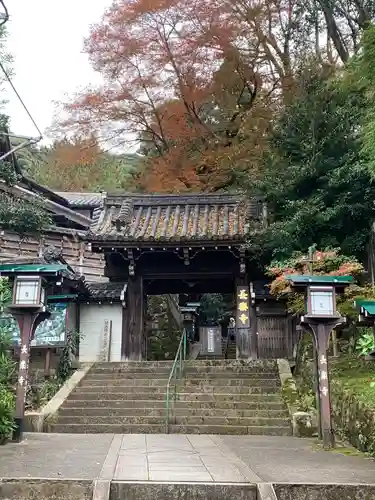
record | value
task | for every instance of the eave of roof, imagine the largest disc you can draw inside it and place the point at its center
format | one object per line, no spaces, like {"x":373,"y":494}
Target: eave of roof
{"x":82,"y":200}
{"x":366,"y":306}
{"x":315,"y":279}
{"x":50,"y":205}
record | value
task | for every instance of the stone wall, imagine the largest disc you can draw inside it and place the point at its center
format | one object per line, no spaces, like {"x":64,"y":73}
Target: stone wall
{"x":353,"y":419}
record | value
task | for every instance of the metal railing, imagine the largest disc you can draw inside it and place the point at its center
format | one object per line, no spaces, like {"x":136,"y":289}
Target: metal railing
{"x":175,"y":375}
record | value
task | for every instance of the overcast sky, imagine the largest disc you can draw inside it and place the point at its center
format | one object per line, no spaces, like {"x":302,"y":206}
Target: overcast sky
{"x":46,"y":40}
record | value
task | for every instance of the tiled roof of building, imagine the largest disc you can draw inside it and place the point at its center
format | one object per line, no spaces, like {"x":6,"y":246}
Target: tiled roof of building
{"x":163,"y":218}
{"x":76,"y":200}
{"x":105,"y":291}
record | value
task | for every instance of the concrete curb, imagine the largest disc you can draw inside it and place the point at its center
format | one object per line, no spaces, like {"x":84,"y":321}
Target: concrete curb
{"x":23,"y":488}
{"x":265,"y":491}
{"x":36,"y":421}
{"x":287,"y":379}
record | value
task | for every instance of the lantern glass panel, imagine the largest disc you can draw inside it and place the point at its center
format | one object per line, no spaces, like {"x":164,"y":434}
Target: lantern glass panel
{"x":27,"y":291}
{"x":322,"y":302}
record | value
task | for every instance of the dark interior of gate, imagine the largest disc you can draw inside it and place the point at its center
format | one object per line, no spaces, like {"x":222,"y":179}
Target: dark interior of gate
{"x":190,"y":245}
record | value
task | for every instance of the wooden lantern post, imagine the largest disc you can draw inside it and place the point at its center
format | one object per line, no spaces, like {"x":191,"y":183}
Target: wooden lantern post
{"x":320,"y":319}
{"x":29,"y":310}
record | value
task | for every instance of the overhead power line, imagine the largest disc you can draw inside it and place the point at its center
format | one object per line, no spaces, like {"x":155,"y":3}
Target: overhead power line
{"x":4,"y":17}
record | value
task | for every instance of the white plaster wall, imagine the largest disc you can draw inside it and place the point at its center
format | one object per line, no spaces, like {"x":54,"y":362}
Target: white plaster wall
{"x":92,"y":317}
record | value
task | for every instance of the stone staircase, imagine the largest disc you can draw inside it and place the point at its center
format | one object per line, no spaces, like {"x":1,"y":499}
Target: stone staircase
{"x":117,"y":398}
{"x":214,"y":397}
{"x":231,"y":397}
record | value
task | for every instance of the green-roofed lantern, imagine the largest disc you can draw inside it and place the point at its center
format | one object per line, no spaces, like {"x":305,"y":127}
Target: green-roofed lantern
{"x":29,"y":292}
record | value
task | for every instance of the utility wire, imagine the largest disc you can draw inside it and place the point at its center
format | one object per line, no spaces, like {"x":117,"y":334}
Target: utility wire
{"x":29,"y":140}
{"x":20,"y":99}
{"x":5,"y":15}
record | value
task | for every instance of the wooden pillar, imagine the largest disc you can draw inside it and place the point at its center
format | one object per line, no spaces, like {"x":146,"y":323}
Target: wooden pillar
{"x":253,"y":332}
{"x":145,"y":332}
{"x":133,"y":334}
{"x":47,"y":363}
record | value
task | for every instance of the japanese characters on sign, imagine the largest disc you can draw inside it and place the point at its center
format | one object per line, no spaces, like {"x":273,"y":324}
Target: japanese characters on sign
{"x":243,"y":304}
{"x":323,"y":376}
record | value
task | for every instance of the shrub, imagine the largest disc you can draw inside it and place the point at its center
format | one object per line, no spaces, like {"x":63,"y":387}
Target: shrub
{"x":7,"y":403}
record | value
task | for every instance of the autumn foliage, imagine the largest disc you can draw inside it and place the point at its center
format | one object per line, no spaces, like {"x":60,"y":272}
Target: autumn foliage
{"x":321,"y":262}
{"x":198,"y":84}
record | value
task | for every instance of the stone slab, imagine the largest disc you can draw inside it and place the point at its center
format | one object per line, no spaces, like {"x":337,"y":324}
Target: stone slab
{"x":181,"y":458}
{"x":55,"y":456}
{"x":293,"y":460}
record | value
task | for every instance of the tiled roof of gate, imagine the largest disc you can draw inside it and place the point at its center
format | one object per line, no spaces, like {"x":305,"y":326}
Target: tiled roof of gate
{"x":201,"y":217}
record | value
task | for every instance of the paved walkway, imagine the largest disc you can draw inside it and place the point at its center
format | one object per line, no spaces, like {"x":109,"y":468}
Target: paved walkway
{"x":180,"y":458}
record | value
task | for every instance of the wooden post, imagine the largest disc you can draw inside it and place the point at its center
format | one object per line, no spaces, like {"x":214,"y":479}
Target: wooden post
{"x":334,"y":344}
{"x":47,"y":363}
{"x":134,"y":324}
{"x":27,"y":322}
{"x":321,"y":332}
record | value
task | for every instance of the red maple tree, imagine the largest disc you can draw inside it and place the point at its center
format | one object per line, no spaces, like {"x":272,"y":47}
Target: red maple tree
{"x":198,"y":83}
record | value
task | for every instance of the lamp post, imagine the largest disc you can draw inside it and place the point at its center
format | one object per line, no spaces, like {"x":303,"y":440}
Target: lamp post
{"x":320,"y":319}
{"x":29,"y":309}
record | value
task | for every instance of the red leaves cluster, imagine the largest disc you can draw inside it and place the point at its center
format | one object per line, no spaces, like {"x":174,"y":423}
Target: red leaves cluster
{"x":198,"y":82}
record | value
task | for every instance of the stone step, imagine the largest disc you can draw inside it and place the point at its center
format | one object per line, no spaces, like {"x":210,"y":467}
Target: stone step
{"x":107,"y":429}
{"x":160,"y":419}
{"x":216,"y":397}
{"x":109,"y":377}
{"x":124,"y":382}
{"x":149,"y":371}
{"x":230,"y":430}
{"x":109,"y":396}
{"x":111,"y":420}
{"x":229,"y":374}
{"x":259,"y":365}
{"x":173,"y":429}
{"x":231,"y":382}
{"x":97,"y":411}
{"x":225,"y":406}
{"x":132,"y":364}
{"x":227,"y":368}
{"x":234,"y":364}
{"x":128,"y":389}
{"x":203,"y":384}
{"x":187,"y":396}
{"x":232,"y":421}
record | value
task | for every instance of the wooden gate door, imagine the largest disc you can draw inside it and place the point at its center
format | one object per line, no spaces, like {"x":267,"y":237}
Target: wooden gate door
{"x":273,"y":337}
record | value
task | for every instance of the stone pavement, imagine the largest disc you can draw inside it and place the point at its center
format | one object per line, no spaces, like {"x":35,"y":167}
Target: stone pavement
{"x":180,"y":458}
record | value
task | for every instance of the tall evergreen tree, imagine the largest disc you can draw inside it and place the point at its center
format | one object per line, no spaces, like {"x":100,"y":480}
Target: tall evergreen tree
{"x":316,"y":182}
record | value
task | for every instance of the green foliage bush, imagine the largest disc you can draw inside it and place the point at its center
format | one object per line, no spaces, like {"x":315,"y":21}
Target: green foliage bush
{"x":7,"y":400}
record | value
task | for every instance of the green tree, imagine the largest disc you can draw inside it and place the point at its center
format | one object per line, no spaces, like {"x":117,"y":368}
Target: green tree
{"x":316,"y":183}
{"x":361,"y":75}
